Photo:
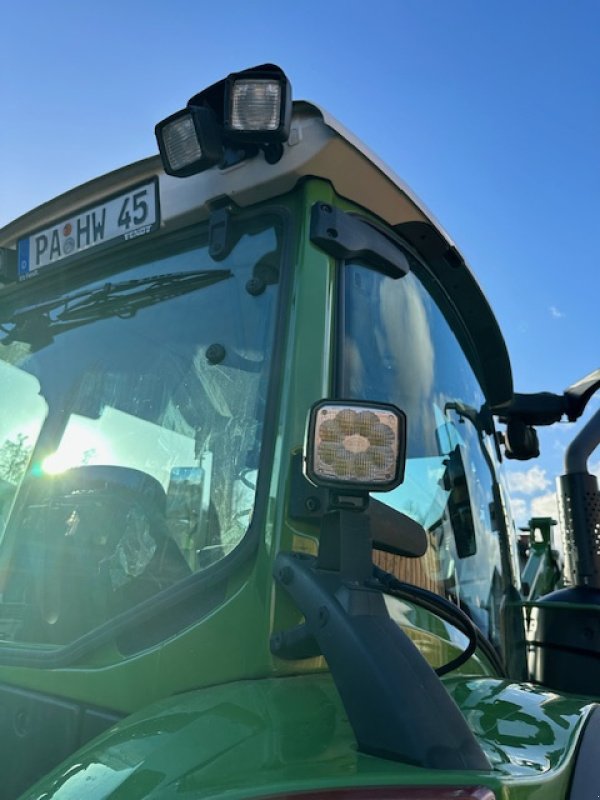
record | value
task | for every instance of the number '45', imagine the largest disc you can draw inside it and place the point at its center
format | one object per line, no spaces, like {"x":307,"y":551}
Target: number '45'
{"x":139,"y":208}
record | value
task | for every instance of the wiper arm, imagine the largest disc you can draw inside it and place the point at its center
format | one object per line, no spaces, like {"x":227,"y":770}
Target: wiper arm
{"x":122,"y":299}
{"x":129,"y":296}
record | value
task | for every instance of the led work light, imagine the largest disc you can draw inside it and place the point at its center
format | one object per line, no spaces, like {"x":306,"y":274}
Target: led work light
{"x":354,"y":446}
{"x":189,"y":141}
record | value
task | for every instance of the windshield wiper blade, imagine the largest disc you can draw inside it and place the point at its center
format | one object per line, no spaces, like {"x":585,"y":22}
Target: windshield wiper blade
{"x":122,"y":299}
{"x":128,"y":296}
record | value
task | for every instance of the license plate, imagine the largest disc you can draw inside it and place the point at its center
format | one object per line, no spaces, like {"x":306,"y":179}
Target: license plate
{"x":121,"y":218}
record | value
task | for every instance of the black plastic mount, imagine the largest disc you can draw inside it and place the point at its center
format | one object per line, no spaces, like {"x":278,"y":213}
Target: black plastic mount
{"x":397,"y":706}
{"x":223,"y":234}
{"x":520,"y":441}
{"x":546,"y":408}
{"x":347,"y":236}
{"x":392,"y":531}
{"x":542,"y":408}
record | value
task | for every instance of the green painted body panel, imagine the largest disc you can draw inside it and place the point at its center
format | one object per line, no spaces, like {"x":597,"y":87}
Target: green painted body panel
{"x":257,"y":738}
{"x":125,"y":684}
{"x":214,"y":714}
{"x":232,"y":641}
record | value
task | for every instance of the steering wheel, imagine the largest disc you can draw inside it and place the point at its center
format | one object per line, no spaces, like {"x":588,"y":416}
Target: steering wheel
{"x":98,"y":545}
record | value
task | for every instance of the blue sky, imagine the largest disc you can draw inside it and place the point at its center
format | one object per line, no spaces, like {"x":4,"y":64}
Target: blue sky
{"x":489,"y":110}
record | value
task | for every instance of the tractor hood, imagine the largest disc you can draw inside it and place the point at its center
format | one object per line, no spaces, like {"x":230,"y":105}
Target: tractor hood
{"x":263,"y":738}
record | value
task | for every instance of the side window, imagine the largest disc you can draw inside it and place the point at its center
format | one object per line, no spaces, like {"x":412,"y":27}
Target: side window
{"x":398,"y":347}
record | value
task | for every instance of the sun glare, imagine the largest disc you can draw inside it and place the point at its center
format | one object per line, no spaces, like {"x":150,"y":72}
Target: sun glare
{"x":80,"y":445}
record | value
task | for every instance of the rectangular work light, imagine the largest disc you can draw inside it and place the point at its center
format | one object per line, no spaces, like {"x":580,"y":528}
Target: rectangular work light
{"x":234,"y":119}
{"x":189,"y":141}
{"x":258,"y":105}
{"x":356,"y":446}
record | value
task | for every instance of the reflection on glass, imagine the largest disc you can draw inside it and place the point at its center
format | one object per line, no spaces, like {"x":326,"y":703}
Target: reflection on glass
{"x":131,"y":420}
{"x":398,"y":347}
{"x":22,"y":414}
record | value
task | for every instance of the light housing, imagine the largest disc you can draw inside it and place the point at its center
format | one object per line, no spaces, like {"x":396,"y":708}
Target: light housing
{"x":258,"y":106}
{"x":353,"y":446}
{"x":228,"y":122}
{"x":189,"y":141}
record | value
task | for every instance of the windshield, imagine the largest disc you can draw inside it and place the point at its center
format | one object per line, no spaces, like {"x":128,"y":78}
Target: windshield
{"x":132,"y":399}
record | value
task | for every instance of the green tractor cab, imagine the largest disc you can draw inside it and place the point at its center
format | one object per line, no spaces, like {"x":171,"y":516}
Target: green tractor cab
{"x":254,"y":539}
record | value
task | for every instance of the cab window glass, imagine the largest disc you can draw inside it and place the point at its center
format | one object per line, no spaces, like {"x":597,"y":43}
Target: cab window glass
{"x":398,"y":347}
{"x":133,"y":404}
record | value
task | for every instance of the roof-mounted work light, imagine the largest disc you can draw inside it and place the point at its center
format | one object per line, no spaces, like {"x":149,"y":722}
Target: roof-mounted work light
{"x":189,"y":141}
{"x":355,"y":447}
{"x":258,"y":106}
{"x":230,"y":121}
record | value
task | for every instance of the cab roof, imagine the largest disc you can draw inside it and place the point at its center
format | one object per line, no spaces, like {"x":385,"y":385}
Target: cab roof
{"x":318,"y":146}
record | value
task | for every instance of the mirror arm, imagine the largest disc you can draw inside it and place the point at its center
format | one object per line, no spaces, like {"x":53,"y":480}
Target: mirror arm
{"x":546,"y":408}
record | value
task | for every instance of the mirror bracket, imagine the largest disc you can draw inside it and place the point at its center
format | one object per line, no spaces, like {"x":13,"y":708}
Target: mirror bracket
{"x":392,"y":531}
{"x":395,"y":703}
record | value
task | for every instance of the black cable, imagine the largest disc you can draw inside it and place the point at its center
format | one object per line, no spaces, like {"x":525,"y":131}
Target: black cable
{"x":441,"y":607}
